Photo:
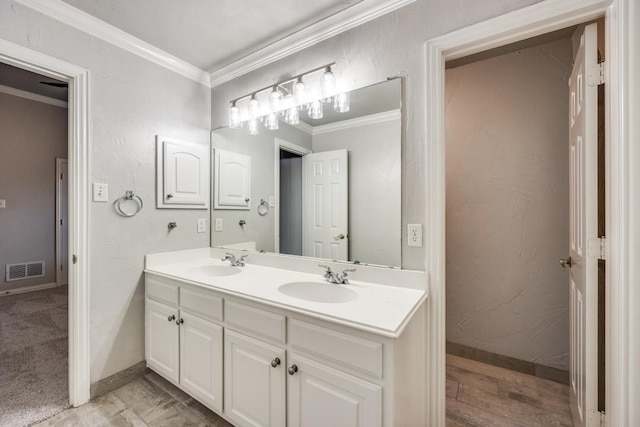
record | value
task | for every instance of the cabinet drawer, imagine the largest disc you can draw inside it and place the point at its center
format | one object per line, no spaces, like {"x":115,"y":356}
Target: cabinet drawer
{"x":161,"y":289}
{"x":357,"y":353}
{"x":202,"y":303}
{"x":255,"y":321}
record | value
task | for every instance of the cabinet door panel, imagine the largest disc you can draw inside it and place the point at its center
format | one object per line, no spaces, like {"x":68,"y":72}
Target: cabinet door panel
{"x":254,"y":392}
{"x":201,"y":359}
{"x":162,"y":339}
{"x":320,"y":396}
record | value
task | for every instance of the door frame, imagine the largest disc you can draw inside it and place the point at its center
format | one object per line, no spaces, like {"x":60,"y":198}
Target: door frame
{"x":59,"y":237}
{"x":622,"y":40}
{"x":281,"y":144}
{"x":78,"y":175}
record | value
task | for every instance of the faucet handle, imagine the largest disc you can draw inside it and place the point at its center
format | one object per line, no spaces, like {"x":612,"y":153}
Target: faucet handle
{"x":348,"y":270}
{"x":326,"y":267}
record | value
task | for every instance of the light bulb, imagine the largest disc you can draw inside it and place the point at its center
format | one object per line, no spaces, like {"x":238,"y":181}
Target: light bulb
{"x":300,"y":94}
{"x":342,"y":102}
{"x":274,"y":99}
{"x":253,"y":126}
{"x":328,"y":85}
{"x":254,"y":107}
{"x":315,"y":110}
{"x":271,"y":121}
{"x":292,"y":116}
{"x":235,"y":121}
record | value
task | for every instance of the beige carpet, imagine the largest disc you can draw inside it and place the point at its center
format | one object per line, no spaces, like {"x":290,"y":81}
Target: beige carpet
{"x":33,"y":356}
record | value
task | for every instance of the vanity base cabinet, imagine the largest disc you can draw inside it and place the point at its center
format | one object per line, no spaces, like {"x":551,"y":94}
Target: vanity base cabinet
{"x":254,"y":392}
{"x":319,"y":396}
{"x":162,"y":337}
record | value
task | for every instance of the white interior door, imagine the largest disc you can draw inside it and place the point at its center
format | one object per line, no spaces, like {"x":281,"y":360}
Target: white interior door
{"x":326,"y":207}
{"x":584,"y":245}
{"x":62,"y":222}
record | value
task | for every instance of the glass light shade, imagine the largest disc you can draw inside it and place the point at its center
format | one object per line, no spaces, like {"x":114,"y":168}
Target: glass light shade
{"x":328,"y":85}
{"x":315,"y":110}
{"x":274,"y":99}
{"x":235,"y":121}
{"x":292,"y":116}
{"x":254,"y":107}
{"x":253,"y":126}
{"x":342,"y":102}
{"x":300,"y":94}
{"x":271,"y":121}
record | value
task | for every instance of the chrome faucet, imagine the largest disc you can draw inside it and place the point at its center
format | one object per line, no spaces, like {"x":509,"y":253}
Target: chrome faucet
{"x":337,"y":278}
{"x":236,"y":262}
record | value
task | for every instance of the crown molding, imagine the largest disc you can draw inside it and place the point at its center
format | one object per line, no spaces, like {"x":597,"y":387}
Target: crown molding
{"x":304,"y":127}
{"x":358,"y":14}
{"x":33,"y":96}
{"x":89,"y":24}
{"x":358,"y":121}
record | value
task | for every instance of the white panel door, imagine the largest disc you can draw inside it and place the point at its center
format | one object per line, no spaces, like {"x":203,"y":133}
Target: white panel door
{"x":584,"y":250}
{"x":185,"y":174}
{"x":232,"y":180}
{"x":319,"y":396}
{"x":162,"y":339}
{"x":254,"y":382}
{"x":326,"y":205}
{"x":201,"y":359}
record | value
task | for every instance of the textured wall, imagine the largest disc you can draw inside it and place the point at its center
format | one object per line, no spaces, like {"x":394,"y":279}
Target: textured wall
{"x":131,"y":100}
{"x":33,"y":135}
{"x":392,"y":45}
{"x":508,"y":204}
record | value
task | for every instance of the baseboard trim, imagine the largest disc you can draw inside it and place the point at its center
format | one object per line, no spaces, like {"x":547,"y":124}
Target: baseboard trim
{"x":531,"y":368}
{"x":117,"y":380}
{"x":7,"y":292}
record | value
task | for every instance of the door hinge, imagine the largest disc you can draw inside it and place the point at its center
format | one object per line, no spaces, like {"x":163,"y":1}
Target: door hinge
{"x":74,"y":259}
{"x":602,"y":419}
{"x":595,"y":75}
{"x":597,"y":248}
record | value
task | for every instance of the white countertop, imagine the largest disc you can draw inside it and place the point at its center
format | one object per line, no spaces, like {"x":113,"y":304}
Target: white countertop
{"x":381,"y":309}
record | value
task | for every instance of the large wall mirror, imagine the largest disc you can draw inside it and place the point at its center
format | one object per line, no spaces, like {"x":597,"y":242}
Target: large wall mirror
{"x":325,"y":188}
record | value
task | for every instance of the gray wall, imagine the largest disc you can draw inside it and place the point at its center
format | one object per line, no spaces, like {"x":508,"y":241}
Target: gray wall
{"x":291,"y":203}
{"x":374,"y":189}
{"x":33,"y":135}
{"x":508,"y":204}
{"x":392,"y":45}
{"x":131,"y":100}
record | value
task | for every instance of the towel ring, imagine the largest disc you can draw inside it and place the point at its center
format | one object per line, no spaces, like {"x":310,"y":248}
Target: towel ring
{"x":129,"y":195}
{"x":263,"y":208}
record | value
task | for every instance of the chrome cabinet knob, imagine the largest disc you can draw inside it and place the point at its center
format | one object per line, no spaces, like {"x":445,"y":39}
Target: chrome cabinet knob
{"x":179,"y":322}
{"x":565,"y":262}
{"x":292,"y":369}
{"x":172,"y":317}
{"x":169,"y":196}
{"x":275,"y":362}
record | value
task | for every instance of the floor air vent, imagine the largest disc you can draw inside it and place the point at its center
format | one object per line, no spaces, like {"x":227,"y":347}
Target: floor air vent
{"x":25,"y":270}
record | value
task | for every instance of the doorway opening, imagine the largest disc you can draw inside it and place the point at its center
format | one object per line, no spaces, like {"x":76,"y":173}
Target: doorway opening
{"x":290,"y":203}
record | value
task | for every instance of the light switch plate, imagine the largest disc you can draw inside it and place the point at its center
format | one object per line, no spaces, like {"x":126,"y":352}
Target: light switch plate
{"x":202,"y":225}
{"x":100,"y":192}
{"x":218,"y":226}
{"x":414,"y":235}
{"x":3,"y":204}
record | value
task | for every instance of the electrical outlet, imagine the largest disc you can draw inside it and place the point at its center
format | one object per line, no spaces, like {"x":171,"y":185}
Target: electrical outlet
{"x":414,"y":235}
{"x":202,"y":225}
{"x":100,"y":192}
{"x":218,"y":226}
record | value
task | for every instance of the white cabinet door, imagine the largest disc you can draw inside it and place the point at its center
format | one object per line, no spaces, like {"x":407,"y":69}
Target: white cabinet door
{"x":201,"y":359}
{"x":183,"y":174}
{"x":162,"y":339}
{"x":320,"y":396}
{"x":232,"y":180}
{"x":254,"y":384}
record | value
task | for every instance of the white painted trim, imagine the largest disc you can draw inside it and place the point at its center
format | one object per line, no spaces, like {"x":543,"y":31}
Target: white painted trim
{"x":78,"y":78}
{"x":24,"y":289}
{"x":356,"y":15}
{"x":358,"y":121}
{"x":59,"y":237}
{"x":89,"y":24}
{"x":33,"y":96}
{"x":292,"y":148}
{"x":622,"y":39}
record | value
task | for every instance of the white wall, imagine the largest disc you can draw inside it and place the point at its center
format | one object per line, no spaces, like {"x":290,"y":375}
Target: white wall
{"x":374,"y":189}
{"x":392,"y":45}
{"x":508,"y":204}
{"x":33,"y":135}
{"x":131,"y":100}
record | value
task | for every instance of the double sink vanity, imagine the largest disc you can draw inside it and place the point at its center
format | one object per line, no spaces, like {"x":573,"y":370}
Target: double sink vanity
{"x":272,"y":343}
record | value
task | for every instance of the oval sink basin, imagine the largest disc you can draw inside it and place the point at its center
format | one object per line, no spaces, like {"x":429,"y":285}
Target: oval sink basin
{"x":318,"y":292}
{"x":215,"y":270}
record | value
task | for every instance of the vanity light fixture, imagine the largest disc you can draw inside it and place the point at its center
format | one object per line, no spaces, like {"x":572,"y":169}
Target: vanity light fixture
{"x":315,"y":110}
{"x":254,"y":107}
{"x":253,"y":126}
{"x":328,"y":85}
{"x":271,"y":121}
{"x":342,"y":102}
{"x":292,"y":116}
{"x":300,"y":94}
{"x":274,"y":99}
{"x":235,"y":120}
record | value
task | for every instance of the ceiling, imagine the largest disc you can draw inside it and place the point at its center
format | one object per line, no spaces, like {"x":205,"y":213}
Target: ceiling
{"x":211,"y":34}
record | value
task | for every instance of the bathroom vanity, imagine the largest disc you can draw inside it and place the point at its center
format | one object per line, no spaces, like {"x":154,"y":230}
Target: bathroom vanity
{"x":263,"y":345}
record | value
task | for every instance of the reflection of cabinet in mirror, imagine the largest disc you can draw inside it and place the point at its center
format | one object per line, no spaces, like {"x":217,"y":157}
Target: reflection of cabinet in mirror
{"x":182,"y":174}
{"x":232,"y":180}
